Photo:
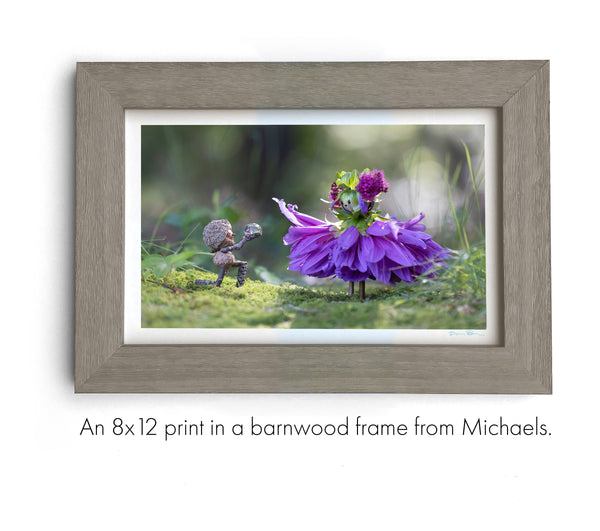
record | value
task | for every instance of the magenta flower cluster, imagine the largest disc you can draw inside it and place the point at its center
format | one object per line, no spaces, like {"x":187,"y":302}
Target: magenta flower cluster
{"x":334,"y":191}
{"x":371,"y":184}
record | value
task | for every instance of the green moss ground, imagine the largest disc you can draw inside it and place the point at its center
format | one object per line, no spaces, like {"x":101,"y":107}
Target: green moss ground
{"x":455,"y":300}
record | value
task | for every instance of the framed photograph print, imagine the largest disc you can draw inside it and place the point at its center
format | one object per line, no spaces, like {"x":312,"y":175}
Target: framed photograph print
{"x":313,"y":228}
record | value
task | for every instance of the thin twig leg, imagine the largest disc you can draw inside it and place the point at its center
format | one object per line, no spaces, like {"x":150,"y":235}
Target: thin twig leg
{"x":241,"y":276}
{"x":218,"y":282}
{"x":351,"y":287}
{"x":361,"y":289}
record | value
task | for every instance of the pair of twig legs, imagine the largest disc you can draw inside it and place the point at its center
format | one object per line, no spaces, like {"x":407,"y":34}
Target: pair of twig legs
{"x":241,"y":276}
{"x":361,"y":288}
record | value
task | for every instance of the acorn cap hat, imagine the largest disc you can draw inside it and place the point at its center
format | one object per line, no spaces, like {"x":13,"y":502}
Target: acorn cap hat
{"x":215,"y":232}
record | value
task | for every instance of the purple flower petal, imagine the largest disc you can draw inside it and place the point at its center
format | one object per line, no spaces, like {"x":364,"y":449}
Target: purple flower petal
{"x":364,"y":206}
{"x":412,"y":238}
{"x":381,"y":271}
{"x":348,"y":238}
{"x":348,"y":274}
{"x":295,"y":234}
{"x":413,"y":224}
{"x":377,"y":251}
{"x":309,"y":220}
{"x":379,"y":228}
{"x":311,"y":244}
{"x":403,"y":273}
{"x":397,"y":252}
{"x":365,"y":250}
{"x":297,"y":218}
{"x":314,"y":261}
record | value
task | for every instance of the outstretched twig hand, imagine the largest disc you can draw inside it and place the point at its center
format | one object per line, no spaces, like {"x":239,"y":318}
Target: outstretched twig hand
{"x":251,"y":232}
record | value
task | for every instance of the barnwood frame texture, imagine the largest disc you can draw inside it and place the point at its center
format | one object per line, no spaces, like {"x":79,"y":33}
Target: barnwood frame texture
{"x":519,"y":90}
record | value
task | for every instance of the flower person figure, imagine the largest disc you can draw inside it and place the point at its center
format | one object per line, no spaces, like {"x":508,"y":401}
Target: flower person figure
{"x":363,"y":243}
{"x":219,"y":237}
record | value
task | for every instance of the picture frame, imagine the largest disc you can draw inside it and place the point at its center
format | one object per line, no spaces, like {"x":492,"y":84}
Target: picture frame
{"x":519,"y":90}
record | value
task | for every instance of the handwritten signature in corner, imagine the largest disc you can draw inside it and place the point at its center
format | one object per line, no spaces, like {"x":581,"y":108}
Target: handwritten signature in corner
{"x":465,"y":333}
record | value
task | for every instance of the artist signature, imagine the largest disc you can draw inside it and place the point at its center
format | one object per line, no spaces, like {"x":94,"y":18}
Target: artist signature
{"x":465,"y":333}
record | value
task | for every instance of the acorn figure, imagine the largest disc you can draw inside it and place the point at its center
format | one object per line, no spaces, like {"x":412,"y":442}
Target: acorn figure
{"x":220,"y":238}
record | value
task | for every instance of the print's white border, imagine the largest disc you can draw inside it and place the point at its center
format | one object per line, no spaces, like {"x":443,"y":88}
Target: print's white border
{"x":135,"y":334}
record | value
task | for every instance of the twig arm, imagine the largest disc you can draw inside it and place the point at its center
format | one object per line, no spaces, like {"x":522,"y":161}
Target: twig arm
{"x":241,"y":243}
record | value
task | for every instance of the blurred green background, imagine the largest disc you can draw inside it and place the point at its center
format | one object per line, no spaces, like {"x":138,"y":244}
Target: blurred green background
{"x":192,"y":174}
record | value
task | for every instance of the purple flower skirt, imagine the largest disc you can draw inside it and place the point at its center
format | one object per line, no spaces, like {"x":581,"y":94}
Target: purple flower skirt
{"x":390,"y":251}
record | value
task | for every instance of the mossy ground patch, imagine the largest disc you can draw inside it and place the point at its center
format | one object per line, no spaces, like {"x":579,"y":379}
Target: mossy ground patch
{"x":455,"y":300}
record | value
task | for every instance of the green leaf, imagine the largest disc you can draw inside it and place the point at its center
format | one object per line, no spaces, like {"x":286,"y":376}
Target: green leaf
{"x":194,"y":216}
{"x":151,"y":261}
{"x":267,"y":276}
{"x":229,"y":214}
{"x":174,"y":219}
{"x":161,"y":270}
{"x":175,"y":260}
{"x":345,"y":178}
{"x":475,"y":186}
{"x":157,"y":264}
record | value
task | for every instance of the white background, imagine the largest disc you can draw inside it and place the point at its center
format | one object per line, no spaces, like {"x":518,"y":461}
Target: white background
{"x":53,"y":478}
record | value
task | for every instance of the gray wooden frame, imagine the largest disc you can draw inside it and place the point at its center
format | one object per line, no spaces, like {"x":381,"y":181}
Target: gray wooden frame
{"x":520,"y":92}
